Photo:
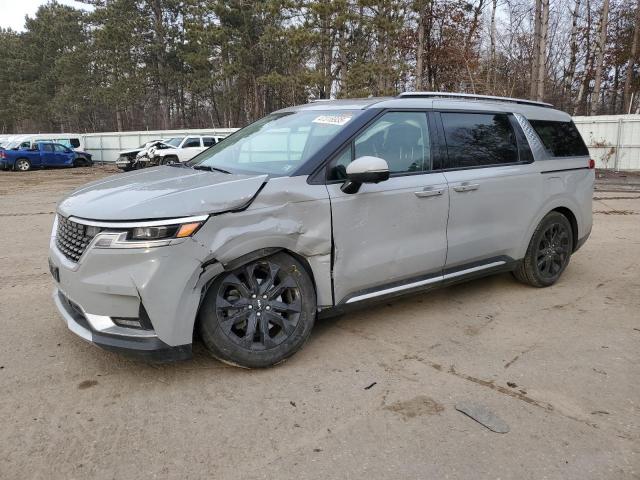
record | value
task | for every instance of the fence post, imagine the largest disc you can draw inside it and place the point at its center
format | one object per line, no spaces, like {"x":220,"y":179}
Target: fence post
{"x":618,"y":136}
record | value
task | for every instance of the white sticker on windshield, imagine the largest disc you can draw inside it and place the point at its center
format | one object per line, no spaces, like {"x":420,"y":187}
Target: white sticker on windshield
{"x":338,"y":119}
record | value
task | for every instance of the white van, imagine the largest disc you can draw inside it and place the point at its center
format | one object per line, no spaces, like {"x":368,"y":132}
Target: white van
{"x":74,"y":141}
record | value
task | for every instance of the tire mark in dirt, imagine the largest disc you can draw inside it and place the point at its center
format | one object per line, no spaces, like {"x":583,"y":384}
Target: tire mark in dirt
{"x":616,"y":198}
{"x":25,"y":214}
{"x":517,"y":357}
{"x":484,"y":383}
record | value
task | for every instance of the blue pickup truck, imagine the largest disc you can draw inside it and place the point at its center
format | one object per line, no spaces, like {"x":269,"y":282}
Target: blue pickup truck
{"x":41,"y":154}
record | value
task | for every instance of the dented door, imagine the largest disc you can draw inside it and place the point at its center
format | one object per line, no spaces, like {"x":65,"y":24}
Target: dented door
{"x":389,"y":232}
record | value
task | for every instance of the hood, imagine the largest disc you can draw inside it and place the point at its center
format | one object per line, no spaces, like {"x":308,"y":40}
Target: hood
{"x":161,"y":192}
{"x":129,"y":152}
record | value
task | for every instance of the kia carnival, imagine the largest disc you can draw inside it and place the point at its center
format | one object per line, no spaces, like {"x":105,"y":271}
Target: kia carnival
{"x":316,"y":209}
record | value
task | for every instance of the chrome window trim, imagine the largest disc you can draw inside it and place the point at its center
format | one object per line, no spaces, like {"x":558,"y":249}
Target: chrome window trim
{"x":146,"y":223}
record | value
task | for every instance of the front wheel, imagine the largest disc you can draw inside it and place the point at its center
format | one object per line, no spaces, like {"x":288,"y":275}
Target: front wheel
{"x":548,"y":253}
{"x":22,"y":165}
{"x":169,"y":161}
{"x":259,"y":314}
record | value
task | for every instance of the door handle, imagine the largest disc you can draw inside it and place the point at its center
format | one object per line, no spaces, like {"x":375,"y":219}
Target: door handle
{"x":466,"y":187}
{"x":428,"y":192}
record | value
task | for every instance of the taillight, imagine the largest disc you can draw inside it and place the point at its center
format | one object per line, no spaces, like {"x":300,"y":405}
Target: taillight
{"x":592,"y":164}
{"x":2,"y":154}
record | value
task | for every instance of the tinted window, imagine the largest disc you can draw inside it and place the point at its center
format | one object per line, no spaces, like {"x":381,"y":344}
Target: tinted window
{"x":400,"y":138}
{"x":191,"y":142}
{"x":477,"y":139}
{"x":561,"y":139}
{"x":74,"y":143}
{"x":208,"y":141}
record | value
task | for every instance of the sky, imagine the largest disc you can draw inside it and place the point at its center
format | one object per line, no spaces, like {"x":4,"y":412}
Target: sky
{"x":12,"y":12}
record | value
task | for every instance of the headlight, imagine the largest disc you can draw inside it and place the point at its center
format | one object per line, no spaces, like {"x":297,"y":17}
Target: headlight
{"x":156,"y":233}
{"x":165,"y":231}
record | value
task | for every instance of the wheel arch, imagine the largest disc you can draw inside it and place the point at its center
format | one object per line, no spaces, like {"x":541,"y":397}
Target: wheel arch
{"x":566,"y":207}
{"x":243,"y":260}
{"x":572,"y":221}
{"x":257,"y":255}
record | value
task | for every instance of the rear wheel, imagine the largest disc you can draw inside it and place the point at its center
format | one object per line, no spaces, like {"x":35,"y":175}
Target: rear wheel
{"x":259,"y":314}
{"x":22,"y":165}
{"x":548,"y":253}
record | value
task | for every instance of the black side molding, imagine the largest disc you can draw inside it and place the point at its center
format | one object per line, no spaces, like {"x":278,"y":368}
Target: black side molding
{"x":565,"y":170}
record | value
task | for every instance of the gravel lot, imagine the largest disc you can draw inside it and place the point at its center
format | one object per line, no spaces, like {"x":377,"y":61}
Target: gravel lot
{"x":561,"y":366}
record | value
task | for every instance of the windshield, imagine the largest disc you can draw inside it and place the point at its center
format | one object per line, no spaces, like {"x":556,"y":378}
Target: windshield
{"x":174,"y":142}
{"x":277,"y":144}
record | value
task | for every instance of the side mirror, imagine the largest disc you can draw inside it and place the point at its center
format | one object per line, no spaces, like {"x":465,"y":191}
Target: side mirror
{"x":365,"y":170}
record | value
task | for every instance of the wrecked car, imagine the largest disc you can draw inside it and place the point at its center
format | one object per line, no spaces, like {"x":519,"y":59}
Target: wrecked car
{"x":314,"y":210}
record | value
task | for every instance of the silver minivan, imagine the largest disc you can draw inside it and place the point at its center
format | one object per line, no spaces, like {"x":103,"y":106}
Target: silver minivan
{"x":314,"y":210}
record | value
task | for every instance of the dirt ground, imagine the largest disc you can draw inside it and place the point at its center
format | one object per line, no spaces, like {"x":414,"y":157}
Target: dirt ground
{"x":372,"y":395}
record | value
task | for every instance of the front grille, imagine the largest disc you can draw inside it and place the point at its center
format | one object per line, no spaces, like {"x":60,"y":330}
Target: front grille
{"x":71,"y":238}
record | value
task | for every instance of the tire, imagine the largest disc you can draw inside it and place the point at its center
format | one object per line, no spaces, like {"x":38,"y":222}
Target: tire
{"x":22,"y":165}
{"x":548,"y":253}
{"x":169,"y":161}
{"x":259,"y":314}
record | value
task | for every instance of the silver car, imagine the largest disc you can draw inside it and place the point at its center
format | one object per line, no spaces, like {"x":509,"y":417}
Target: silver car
{"x":314,"y":210}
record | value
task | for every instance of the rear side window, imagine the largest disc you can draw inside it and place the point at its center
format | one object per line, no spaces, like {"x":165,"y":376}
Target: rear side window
{"x":191,"y":142}
{"x":208,"y":141}
{"x":561,"y":139}
{"x":75,"y":143}
{"x":479,"y":139}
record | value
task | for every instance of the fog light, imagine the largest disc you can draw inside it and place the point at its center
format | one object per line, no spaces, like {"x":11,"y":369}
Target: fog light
{"x":127,"y":322}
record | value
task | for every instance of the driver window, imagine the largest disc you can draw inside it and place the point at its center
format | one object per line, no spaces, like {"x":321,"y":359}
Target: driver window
{"x":400,"y":138}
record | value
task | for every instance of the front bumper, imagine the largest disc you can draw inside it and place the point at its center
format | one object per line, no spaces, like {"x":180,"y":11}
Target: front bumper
{"x":101,"y":331}
{"x":123,"y":162}
{"x":105,"y":284}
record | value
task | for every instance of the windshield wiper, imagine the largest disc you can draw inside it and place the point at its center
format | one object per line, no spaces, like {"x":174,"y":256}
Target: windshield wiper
{"x":210,"y":169}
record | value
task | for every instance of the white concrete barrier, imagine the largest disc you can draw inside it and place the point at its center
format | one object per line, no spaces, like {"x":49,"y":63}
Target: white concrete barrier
{"x":613,"y":140}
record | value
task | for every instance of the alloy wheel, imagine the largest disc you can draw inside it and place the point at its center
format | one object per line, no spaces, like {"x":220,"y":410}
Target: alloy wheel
{"x":22,"y":165}
{"x":553,"y":250}
{"x":259,"y":305}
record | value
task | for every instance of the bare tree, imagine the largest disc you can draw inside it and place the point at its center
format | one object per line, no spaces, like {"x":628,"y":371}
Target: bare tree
{"x":604,"y":21}
{"x":492,"y":49}
{"x":535,"y":52}
{"x":633,"y":56}
{"x":570,"y":72}
{"x":542,"y":51}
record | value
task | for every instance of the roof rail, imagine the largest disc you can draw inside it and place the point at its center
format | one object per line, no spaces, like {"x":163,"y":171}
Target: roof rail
{"x":471,"y":96}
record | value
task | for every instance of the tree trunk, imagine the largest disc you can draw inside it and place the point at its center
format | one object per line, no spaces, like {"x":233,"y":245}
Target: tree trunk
{"x":542,"y":61}
{"x":535,"y":51}
{"x":160,"y":63}
{"x":570,"y":74}
{"x":119,"y":125}
{"x":492,"y":50}
{"x":420,"y":50}
{"x":604,"y":21}
{"x":633,"y":56}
